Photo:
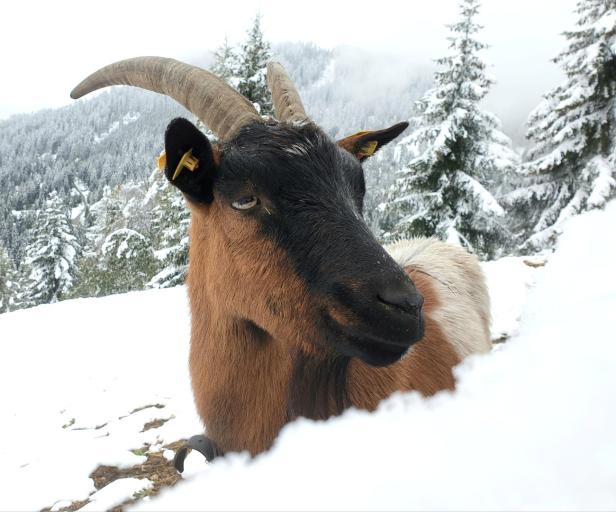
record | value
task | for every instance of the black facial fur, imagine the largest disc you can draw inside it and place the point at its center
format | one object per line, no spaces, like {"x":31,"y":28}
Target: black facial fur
{"x":312,"y":195}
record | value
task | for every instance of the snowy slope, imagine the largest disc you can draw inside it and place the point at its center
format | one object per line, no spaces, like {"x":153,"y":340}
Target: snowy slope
{"x":71,"y":373}
{"x":531,"y":425}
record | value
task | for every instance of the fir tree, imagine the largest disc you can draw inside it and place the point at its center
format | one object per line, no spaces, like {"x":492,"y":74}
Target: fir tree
{"x":226,"y":63}
{"x":253,"y":59}
{"x":50,"y":263}
{"x":9,"y":282}
{"x":90,"y":276}
{"x":169,"y":219}
{"x":128,"y":262}
{"x":571,"y":167}
{"x":461,"y":152}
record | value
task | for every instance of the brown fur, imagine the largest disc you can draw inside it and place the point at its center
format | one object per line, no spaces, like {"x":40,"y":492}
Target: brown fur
{"x":427,"y":368}
{"x":241,"y":374}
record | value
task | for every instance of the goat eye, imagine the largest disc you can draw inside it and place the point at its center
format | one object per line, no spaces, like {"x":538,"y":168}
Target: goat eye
{"x":245,"y":203}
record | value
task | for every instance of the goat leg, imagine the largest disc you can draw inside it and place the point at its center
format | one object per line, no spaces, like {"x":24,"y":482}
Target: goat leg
{"x":204,"y":445}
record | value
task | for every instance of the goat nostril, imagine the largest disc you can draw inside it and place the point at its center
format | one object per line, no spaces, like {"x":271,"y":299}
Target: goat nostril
{"x":402,"y":297}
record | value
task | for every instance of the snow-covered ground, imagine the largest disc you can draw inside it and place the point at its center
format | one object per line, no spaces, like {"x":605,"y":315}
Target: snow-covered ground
{"x":531,"y":426}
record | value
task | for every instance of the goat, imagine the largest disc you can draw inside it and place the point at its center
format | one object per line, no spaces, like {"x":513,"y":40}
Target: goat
{"x":296,"y":309}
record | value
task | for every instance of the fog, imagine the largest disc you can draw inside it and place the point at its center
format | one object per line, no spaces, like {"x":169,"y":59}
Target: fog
{"x":47,"y":47}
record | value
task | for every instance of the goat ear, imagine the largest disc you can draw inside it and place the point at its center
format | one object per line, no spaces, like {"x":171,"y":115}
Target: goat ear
{"x":365,"y":144}
{"x":191,"y":161}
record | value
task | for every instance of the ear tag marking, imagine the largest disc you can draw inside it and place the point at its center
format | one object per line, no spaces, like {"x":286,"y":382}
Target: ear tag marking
{"x":368,"y":149}
{"x":187,"y":161}
{"x":161,"y":161}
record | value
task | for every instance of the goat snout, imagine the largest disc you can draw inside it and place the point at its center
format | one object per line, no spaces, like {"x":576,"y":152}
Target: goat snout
{"x":402,"y":296}
{"x":377,"y":320}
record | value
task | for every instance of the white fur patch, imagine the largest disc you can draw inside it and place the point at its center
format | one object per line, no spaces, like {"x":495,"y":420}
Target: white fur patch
{"x":464,"y":312}
{"x":297,"y":149}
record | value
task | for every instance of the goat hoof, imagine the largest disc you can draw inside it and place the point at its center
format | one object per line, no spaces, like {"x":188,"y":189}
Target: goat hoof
{"x":200,"y":443}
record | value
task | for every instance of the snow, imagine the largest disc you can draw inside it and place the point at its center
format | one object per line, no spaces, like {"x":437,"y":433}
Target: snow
{"x":529,"y":427}
{"x":486,"y":200}
{"x":604,"y":182}
{"x":115,"y":493}
{"x":509,"y":282}
{"x":76,"y":370}
{"x":128,"y":118}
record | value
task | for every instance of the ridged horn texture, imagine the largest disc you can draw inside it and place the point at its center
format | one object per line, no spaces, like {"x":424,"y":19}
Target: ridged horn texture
{"x":287,"y":103}
{"x":208,"y":97}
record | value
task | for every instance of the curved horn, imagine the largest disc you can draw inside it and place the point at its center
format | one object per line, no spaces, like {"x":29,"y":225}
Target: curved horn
{"x":287,"y":103}
{"x":219,"y":106}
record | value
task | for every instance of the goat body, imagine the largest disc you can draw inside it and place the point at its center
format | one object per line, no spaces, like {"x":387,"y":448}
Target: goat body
{"x":247,"y":386}
{"x":297,"y":310}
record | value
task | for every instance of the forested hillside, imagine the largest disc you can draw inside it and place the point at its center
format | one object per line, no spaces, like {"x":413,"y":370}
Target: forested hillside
{"x":84,"y":212}
{"x":91,"y":167}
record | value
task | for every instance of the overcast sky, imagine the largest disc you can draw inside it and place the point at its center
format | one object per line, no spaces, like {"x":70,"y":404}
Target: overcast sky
{"x":47,"y":47}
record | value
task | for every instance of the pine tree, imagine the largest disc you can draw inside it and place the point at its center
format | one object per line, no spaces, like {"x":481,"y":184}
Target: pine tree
{"x":253,"y":59}
{"x":226,"y":63}
{"x":50,"y":263}
{"x":170,"y":219}
{"x":9,"y":282}
{"x":571,"y":168}
{"x":460,"y":153}
{"x":128,"y":262}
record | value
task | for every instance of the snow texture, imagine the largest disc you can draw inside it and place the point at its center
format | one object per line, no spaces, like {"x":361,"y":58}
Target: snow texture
{"x":72,"y":373}
{"x":115,"y":493}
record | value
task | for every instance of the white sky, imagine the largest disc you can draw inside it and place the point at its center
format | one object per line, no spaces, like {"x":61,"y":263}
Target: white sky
{"x":47,"y":47}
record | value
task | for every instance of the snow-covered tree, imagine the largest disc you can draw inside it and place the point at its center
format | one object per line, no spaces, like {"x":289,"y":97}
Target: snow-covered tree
{"x":460,"y":154}
{"x":9,"y":282}
{"x":128,"y":262}
{"x":169,"y":220}
{"x":226,"y":63}
{"x":50,"y":263}
{"x":572,"y":166}
{"x":254,"y":56}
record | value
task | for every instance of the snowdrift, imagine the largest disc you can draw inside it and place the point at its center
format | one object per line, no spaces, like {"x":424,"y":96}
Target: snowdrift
{"x":531,"y":426}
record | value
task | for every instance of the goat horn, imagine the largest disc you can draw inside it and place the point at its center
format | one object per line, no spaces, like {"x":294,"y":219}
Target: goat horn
{"x":219,"y":106}
{"x":287,"y":103}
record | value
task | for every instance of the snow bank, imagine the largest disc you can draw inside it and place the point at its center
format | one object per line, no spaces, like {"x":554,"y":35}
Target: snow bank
{"x":531,"y":426}
{"x":509,"y":281}
{"x":71,"y":374}
{"x":115,"y":493}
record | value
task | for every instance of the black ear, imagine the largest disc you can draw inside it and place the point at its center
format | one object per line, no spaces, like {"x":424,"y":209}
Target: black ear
{"x":184,"y":140}
{"x":365,"y":144}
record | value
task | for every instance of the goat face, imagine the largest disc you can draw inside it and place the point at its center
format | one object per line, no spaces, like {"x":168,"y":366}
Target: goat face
{"x":278,"y":242}
{"x":278,"y":210}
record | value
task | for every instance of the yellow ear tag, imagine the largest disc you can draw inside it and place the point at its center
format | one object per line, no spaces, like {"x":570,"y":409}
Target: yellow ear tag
{"x":368,"y":148}
{"x":188,"y":161}
{"x":161,"y":161}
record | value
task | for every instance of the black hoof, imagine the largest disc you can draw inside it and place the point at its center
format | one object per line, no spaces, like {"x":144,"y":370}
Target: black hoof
{"x":202,"y":444}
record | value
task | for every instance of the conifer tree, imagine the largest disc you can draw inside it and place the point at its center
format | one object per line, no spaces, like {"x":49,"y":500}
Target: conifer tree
{"x":460,"y":153}
{"x":128,"y":262}
{"x":254,"y":56}
{"x":226,"y":63}
{"x":9,"y":282}
{"x":571,"y":168}
{"x":169,"y":219}
{"x":50,"y":263}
